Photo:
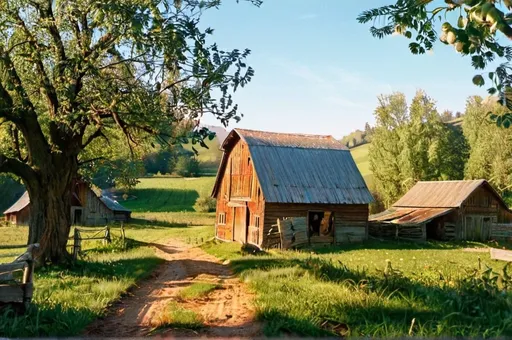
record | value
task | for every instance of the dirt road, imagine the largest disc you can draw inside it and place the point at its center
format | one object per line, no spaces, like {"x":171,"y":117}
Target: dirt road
{"x":227,"y":311}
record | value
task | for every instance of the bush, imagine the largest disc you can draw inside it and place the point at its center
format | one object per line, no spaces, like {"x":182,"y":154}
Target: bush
{"x":205,"y":204}
{"x":187,"y":166}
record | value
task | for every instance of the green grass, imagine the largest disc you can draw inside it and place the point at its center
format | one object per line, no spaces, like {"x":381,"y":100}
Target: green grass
{"x":346,"y":290}
{"x":163,"y":194}
{"x":197,"y":290}
{"x":360,"y":155}
{"x":176,"y":316}
{"x":66,"y":300}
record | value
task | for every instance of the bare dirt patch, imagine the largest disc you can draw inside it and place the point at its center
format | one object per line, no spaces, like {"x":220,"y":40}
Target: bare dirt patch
{"x":227,"y":311}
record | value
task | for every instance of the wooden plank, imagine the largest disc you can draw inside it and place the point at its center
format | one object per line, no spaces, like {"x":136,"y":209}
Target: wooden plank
{"x":499,"y":254}
{"x":14,"y":293}
{"x":11,"y":267}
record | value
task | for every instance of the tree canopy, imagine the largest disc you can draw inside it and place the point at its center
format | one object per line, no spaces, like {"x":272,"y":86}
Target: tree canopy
{"x":472,"y":27}
{"x":79,"y":79}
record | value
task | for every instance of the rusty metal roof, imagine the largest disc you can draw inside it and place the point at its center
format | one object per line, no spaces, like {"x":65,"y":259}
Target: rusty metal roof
{"x":20,"y":204}
{"x":301,"y":168}
{"x":408,"y":216}
{"x":442,"y":194}
{"x":263,"y":138}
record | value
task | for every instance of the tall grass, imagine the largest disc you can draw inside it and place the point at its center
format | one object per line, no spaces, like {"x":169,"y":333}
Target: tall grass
{"x":381,"y":291}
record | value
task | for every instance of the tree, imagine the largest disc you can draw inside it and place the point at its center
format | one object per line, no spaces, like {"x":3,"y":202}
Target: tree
{"x":447,"y":116}
{"x":472,"y":27}
{"x":187,"y":166}
{"x":77,"y":75}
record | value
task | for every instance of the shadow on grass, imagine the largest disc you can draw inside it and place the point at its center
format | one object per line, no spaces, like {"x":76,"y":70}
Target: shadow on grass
{"x":161,"y":200}
{"x":378,"y":303}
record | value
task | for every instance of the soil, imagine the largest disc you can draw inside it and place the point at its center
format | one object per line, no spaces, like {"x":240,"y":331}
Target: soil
{"x":227,"y":311}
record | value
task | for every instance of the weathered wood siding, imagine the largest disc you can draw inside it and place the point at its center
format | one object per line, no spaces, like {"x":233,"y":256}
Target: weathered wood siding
{"x":477,"y":215}
{"x":94,"y":211}
{"x":350,"y":221}
{"x":240,"y":203}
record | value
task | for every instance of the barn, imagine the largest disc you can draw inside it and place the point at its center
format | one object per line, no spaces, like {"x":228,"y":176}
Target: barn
{"x":443,"y":210}
{"x":87,"y":208}
{"x":266,"y":177}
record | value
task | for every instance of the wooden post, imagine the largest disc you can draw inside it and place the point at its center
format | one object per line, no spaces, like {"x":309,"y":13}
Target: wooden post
{"x":77,"y":243}
{"x":123,"y":235}
{"x":108,"y":239}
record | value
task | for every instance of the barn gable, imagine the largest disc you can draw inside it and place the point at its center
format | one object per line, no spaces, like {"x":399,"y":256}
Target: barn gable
{"x":303,"y":169}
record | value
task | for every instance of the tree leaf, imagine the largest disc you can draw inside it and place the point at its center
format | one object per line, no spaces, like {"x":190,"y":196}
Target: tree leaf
{"x":478,"y":80}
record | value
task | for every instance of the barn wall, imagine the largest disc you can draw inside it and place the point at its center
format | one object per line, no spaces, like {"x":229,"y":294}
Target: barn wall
{"x":478,"y":212}
{"x":95,"y":212}
{"x":239,"y":195}
{"x":350,"y":220}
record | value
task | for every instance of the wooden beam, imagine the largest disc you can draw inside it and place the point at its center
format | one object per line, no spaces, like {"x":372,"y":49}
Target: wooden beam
{"x":503,"y":255}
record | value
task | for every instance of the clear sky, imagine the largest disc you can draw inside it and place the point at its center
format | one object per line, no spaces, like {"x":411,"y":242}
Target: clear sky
{"x":319,"y":71}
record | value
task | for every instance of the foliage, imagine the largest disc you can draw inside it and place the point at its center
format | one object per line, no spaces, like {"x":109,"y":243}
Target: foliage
{"x":11,"y":190}
{"x":356,"y":138}
{"x":410,"y":144}
{"x":187,"y":166}
{"x":206,"y":204}
{"x":475,"y":33}
{"x":491,"y":147}
{"x":176,"y":316}
{"x":376,"y":290}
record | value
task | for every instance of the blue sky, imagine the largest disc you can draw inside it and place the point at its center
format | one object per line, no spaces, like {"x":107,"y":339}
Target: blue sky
{"x":319,"y":71}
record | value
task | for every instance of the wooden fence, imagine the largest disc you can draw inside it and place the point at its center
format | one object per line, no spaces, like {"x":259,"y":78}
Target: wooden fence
{"x":501,"y":231}
{"x":81,"y":234}
{"x":15,"y":289}
{"x":391,"y":231}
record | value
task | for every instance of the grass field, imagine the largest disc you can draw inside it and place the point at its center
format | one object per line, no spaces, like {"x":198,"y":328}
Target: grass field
{"x":431,"y":290}
{"x":360,"y":155}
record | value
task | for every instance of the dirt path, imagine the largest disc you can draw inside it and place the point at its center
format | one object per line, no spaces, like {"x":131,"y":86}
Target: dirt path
{"x":227,"y":311}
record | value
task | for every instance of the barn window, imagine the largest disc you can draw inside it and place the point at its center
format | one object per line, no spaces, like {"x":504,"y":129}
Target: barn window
{"x":485,"y":201}
{"x":257,"y":221}
{"x":222,"y":218}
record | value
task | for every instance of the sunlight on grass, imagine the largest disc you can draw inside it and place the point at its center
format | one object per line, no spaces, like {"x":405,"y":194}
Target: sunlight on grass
{"x":176,"y":316}
{"x":348,"y":290}
{"x":197,"y":290}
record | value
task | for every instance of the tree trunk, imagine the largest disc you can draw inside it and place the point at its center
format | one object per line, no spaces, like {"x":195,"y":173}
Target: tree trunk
{"x":50,"y":210}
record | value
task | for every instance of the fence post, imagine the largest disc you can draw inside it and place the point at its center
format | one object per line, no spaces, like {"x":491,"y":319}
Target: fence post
{"x":107,"y":235}
{"x":123,"y":235}
{"x":77,"y":243}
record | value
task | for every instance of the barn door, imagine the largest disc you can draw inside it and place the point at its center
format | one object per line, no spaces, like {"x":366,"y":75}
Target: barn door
{"x":239,"y":224}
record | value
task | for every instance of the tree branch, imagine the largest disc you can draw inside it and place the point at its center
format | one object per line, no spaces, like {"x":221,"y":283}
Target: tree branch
{"x":14,"y":166}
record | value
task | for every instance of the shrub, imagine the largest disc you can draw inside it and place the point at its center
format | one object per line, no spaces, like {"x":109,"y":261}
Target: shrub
{"x":205,"y":204}
{"x":187,"y":166}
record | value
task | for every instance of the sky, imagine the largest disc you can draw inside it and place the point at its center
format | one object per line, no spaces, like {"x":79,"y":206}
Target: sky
{"x":318,"y":71}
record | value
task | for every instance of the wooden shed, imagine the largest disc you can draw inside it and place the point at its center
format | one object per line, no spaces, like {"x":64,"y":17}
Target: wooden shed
{"x":443,"y":210}
{"x":87,"y":208}
{"x":313,"y":180}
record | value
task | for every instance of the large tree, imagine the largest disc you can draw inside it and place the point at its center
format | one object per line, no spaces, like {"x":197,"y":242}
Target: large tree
{"x":472,"y":27}
{"x":75,"y":75}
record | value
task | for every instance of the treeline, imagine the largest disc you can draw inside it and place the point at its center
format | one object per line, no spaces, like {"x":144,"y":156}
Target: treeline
{"x":413,"y":143}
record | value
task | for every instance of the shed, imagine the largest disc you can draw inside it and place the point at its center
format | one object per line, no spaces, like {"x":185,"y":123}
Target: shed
{"x":265,"y":177}
{"x":443,"y":210}
{"x":87,"y":208}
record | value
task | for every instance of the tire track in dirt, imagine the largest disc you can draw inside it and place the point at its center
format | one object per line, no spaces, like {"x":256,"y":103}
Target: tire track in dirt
{"x":227,"y":311}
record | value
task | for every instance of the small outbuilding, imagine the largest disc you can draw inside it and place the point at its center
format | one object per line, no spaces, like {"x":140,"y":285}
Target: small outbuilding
{"x":87,"y":208}
{"x":308,"y":182}
{"x":443,"y":210}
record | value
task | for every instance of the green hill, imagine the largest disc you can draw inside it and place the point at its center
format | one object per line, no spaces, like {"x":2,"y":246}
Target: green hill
{"x":360,"y":155}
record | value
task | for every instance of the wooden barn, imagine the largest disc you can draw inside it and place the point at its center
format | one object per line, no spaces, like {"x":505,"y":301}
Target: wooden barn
{"x":87,"y":208}
{"x":309,"y":180}
{"x":443,"y":210}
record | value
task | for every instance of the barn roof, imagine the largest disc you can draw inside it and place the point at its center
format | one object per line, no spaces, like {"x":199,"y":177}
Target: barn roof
{"x":20,"y":204}
{"x":442,"y":194}
{"x":112,"y":204}
{"x":298,"y":168}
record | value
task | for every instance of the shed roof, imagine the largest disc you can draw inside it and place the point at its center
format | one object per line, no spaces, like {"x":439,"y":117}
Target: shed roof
{"x":442,"y":194}
{"x":297,"y":168}
{"x":113,"y":204}
{"x":20,"y":204}
{"x":409,"y":216}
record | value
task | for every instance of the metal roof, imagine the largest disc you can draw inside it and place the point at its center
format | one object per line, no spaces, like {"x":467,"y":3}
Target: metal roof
{"x":112,"y":204}
{"x":295,"y":168}
{"x":20,"y":204}
{"x":442,"y":194}
{"x":408,"y":216}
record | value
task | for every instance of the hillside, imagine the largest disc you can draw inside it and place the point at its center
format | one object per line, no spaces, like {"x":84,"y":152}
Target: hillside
{"x":360,"y":155}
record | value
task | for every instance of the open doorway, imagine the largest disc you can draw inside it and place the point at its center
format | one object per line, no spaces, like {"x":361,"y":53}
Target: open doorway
{"x":77,"y":217}
{"x":320,"y":223}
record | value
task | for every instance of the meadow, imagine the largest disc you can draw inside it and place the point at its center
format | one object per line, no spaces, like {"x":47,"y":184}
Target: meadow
{"x":360,"y":155}
{"x":379,"y":289}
